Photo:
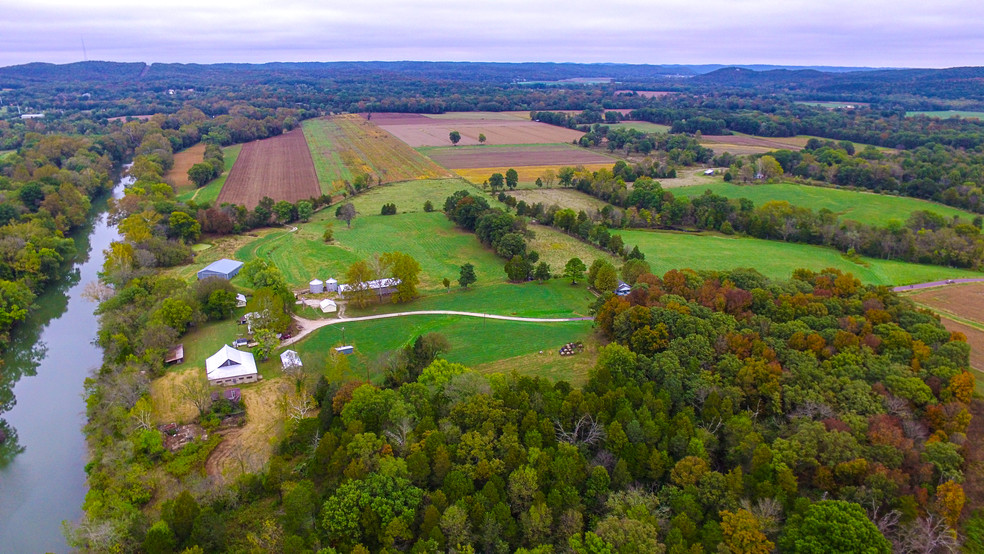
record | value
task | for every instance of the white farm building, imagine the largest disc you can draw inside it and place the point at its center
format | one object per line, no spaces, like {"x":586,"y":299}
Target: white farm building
{"x":229,"y":366}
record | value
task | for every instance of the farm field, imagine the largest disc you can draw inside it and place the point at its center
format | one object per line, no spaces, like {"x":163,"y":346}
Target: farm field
{"x":210,"y":192}
{"x":419,"y":130}
{"x":948,"y":114}
{"x":832,"y":105}
{"x":777,"y":260}
{"x":473,"y":341}
{"x":742,"y":145}
{"x":408,"y":196}
{"x":183,"y":160}
{"x":641,"y":126}
{"x":565,"y":198}
{"x":556,"y":248}
{"x":865,"y":207}
{"x":961,"y":309}
{"x":344,"y":146}
{"x":491,"y":156}
{"x":527,"y":174}
{"x":279,"y":167}
{"x":430,"y":238}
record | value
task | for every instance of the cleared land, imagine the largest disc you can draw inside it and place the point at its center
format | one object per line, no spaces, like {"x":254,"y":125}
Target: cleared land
{"x":464,"y":157}
{"x":961,"y":308}
{"x":408,"y":196}
{"x":183,"y":160}
{"x":248,"y":448}
{"x":641,"y":126}
{"x":565,"y":198}
{"x":556,"y":248}
{"x":279,"y":167}
{"x":210,"y":192}
{"x":741,"y":145}
{"x":345,"y":146}
{"x":777,"y":260}
{"x":866,"y":207}
{"x":527,"y":174}
{"x":948,"y":114}
{"x":499,"y":128}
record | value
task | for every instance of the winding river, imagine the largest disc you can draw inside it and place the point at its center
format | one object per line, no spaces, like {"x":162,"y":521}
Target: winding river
{"x":49,"y":357}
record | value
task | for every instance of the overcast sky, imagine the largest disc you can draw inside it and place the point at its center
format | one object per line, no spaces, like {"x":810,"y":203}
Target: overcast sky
{"x":882,"y":33}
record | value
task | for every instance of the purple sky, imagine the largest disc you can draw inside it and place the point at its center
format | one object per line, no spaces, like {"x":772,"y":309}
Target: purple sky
{"x":889,"y":33}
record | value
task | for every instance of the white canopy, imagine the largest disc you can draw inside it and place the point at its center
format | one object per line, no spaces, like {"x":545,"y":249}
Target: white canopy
{"x":289,"y":359}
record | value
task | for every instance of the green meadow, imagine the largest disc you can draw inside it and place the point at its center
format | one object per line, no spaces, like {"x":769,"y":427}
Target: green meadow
{"x":945,"y":114}
{"x":777,"y":260}
{"x":865,"y":207}
{"x":210,"y":192}
{"x":409,"y":196}
{"x":641,"y":126}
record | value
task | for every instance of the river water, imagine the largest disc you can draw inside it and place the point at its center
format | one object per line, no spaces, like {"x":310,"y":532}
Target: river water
{"x":50,"y":355}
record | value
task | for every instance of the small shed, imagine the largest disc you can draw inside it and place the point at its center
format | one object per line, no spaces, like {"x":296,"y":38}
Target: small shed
{"x":328,"y":306}
{"x":175,"y":355}
{"x":331,"y":285}
{"x":240,"y":300}
{"x":223,"y":269}
{"x":622,"y":289}
{"x":316,"y":286}
{"x":290,"y":360}
{"x":229,"y":366}
{"x":348,"y":349}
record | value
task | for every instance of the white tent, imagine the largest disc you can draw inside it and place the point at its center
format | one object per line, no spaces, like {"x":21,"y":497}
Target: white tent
{"x":328,"y":306}
{"x":289,"y":359}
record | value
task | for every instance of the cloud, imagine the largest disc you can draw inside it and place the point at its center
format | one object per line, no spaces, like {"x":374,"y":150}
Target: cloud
{"x":835,"y":32}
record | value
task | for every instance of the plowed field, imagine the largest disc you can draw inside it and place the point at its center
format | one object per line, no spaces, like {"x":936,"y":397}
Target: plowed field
{"x":278,"y":167}
{"x":499,"y":128}
{"x":461,"y":157}
{"x":183,"y":160}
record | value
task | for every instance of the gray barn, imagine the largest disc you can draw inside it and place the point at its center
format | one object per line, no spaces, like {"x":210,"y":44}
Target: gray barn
{"x":224,"y":268}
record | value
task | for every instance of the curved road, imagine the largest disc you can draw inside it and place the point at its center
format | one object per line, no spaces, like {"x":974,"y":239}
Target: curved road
{"x":931,"y":284}
{"x":309,"y":325}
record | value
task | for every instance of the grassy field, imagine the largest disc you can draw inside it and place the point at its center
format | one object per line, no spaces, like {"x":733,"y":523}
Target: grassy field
{"x":873,"y":209}
{"x":345,"y":146}
{"x":409,"y":196}
{"x":430,"y":238}
{"x":527,"y":174}
{"x":948,"y":114}
{"x":565,"y":198}
{"x":556,"y":248}
{"x":641,"y":126}
{"x":666,"y":250}
{"x":473,"y":341}
{"x":210,"y":192}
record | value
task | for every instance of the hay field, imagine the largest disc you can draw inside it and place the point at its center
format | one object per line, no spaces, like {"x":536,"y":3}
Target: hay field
{"x":183,"y":160}
{"x":527,"y":174}
{"x":345,"y":146}
{"x":565,"y":198}
{"x":279,"y":167}
{"x":499,"y":128}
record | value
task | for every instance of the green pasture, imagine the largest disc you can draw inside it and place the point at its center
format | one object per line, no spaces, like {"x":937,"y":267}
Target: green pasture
{"x":945,"y":114}
{"x":865,"y":207}
{"x":328,"y":163}
{"x":641,"y":126}
{"x":556,"y":248}
{"x":430,"y":238}
{"x":777,"y":260}
{"x":210,"y":192}
{"x":473,"y":341}
{"x":409,"y":196}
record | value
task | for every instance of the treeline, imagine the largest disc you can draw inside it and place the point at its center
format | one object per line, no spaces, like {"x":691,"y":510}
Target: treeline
{"x":730,"y":413}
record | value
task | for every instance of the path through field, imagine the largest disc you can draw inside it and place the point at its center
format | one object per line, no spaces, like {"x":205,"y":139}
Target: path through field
{"x":247,"y":448}
{"x":936,"y":284}
{"x":308,"y":325}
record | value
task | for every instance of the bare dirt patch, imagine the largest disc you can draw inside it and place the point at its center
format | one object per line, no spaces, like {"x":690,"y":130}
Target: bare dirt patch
{"x":964,"y":301}
{"x":183,"y":160}
{"x":500,"y":128}
{"x":248,"y":448}
{"x":516,"y":156}
{"x":280,"y":167}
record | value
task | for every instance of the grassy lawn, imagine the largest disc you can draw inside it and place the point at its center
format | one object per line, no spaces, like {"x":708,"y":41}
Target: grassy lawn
{"x":641,"y":126}
{"x":777,"y":260}
{"x":202,"y":342}
{"x":865,"y":207}
{"x":948,"y":113}
{"x":549,"y":364}
{"x":473,"y":341}
{"x":430,"y":238}
{"x":210,"y":192}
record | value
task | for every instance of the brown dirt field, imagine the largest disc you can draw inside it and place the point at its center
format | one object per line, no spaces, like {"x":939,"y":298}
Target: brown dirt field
{"x":501,"y":128}
{"x":280,"y":167}
{"x":247,"y":449}
{"x":165,"y":397}
{"x":964,"y":301}
{"x":508,"y":156}
{"x":183,"y":160}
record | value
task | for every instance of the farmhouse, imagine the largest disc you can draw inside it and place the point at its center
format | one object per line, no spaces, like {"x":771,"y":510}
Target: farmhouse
{"x":290,"y":360}
{"x":224,"y":269}
{"x":229,"y":366}
{"x":382,"y":287}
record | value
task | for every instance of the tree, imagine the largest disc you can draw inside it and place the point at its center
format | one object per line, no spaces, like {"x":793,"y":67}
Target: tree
{"x":304,"y":210}
{"x":574,"y":269}
{"x":518,"y":268}
{"x":742,"y":532}
{"x":184,"y":227}
{"x":285,"y":211}
{"x":358,"y":276}
{"x":201,"y":174}
{"x":539,"y":182}
{"x":447,"y":284}
{"x":496,"y":181}
{"x":542,"y":272}
{"x":198,"y":392}
{"x":833,"y":526}
{"x":388,"y":209}
{"x":481,"y":138}
{"x":176,"y":314}
{"x":512,"y":178}
{"x":407,"y":270}
{"x":455,"y":137}
{"x":220,"y":304}
{"x":467,"y":276}
{"x":606,"y":280}
{"x":428,"y":206}
{"x":329,"y":234}
{"x":346,"y":212}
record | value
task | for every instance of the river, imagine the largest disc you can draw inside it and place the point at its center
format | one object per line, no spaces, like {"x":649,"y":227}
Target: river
{"x":50,"y":355}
